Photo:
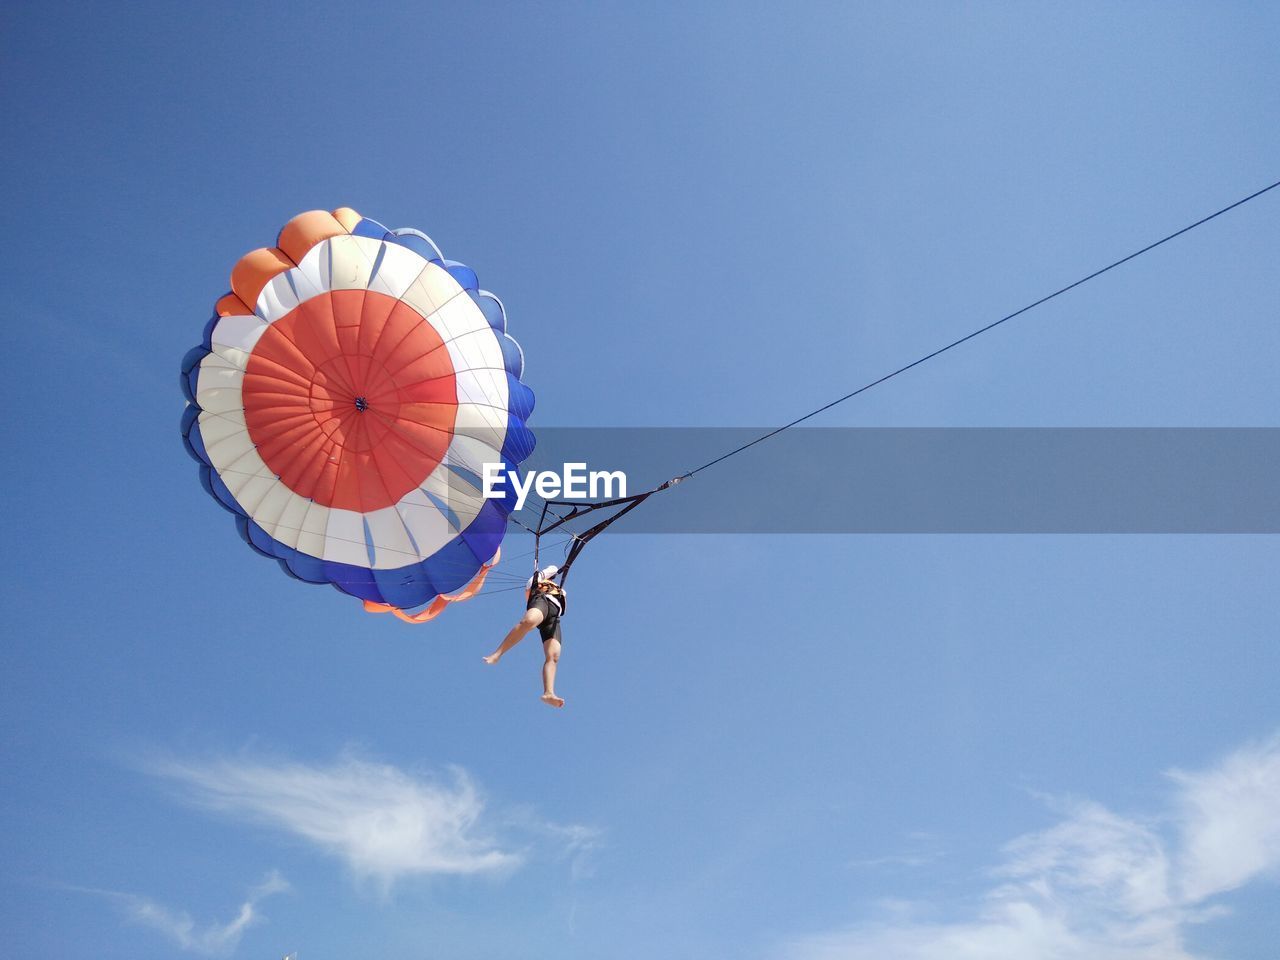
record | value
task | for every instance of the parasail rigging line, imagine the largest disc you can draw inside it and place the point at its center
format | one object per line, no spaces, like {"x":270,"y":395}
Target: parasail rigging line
{"x":627,"y":504}
{"x":577,"y":541}
{"x":980,"y":331}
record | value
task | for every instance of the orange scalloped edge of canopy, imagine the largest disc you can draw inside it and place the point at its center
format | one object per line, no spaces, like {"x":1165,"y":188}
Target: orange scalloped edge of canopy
{"x":259,"y":267}
{"x":436,"y":607}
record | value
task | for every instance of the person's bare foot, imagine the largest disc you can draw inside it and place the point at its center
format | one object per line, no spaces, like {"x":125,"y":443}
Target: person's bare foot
{"x":553,"y":700}
{"x":492,"y":658}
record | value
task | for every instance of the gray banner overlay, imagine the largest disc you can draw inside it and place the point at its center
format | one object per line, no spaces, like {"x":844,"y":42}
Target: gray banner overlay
{"x":926,"y":480}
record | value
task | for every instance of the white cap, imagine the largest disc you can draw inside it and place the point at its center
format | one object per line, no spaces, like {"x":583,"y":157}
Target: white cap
{"x":546,"y":573}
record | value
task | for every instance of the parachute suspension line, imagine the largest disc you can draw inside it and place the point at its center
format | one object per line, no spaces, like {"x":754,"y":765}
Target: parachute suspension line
{"x":980,"y":331}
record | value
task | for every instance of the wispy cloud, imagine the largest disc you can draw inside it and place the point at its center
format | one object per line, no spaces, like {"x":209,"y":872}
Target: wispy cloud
{"x":210,"y":939}
{"x":578,"y":844}
{"x":919,"y":850}
{"x":1097,"y":885}
{"x":383,"y":822}
{"x":574,"y":842}
{"x":1230,"y":821}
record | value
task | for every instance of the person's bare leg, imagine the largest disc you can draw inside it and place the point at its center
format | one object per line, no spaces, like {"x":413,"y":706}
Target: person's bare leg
{"x":530,"y":620}
{"x":552,"y":650}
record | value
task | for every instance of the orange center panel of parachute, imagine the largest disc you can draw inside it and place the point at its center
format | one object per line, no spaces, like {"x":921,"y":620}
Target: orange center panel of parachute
{"x":351,"y":399}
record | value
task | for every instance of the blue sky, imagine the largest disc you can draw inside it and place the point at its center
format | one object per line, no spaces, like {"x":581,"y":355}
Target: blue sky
{"x":788,"y":748}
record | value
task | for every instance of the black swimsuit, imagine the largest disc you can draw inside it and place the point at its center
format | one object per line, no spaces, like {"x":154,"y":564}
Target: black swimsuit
{"x":551,"y":611}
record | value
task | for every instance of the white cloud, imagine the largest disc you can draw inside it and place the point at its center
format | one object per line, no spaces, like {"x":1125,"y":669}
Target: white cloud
{"x":1230,"y":821}
{"x":384,"y":823}
{"x":922,"y":849}
{"x":574,"y":842}
{"x":1096,"y":885}
{"x":579,"y":844}
{"x":212,"y":939}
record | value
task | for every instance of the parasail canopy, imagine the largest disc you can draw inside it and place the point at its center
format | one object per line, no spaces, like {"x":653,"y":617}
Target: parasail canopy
{"x":345,"y":397}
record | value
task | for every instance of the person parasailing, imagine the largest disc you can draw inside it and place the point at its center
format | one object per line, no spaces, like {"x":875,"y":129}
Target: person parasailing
{"x":547,"y":603}
{"x":545,"y":591}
